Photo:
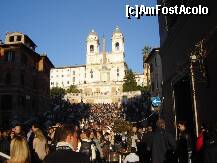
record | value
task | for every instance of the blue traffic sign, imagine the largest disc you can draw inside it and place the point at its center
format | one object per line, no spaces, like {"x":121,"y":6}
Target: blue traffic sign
{"x":155,"y":101}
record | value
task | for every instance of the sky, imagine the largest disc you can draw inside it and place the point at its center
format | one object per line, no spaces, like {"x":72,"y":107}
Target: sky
{"x":60,"y":27}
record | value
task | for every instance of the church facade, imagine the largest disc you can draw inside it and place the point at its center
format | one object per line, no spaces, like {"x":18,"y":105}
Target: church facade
{"x":101,"y":79}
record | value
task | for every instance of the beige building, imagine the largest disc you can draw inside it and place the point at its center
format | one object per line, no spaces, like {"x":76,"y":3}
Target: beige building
{"x":101,"y":79}
{"x":154,"y":62}
{"x":141,"y":79}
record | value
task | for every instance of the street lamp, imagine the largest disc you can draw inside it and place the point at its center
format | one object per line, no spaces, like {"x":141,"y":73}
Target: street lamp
{"x":193,"y":59}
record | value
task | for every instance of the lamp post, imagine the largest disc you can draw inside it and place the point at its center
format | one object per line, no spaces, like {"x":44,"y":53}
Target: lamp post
{"x":193,"y":59}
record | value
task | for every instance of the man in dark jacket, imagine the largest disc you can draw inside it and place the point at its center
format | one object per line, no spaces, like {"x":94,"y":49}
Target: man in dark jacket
{"x":210,"y":144}
{"x":163,"y":144}
{"x":148,"y":141}
{"x":65,"y":149}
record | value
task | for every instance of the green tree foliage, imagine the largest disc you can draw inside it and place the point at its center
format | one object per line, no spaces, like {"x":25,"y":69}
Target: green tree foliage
{"x":145,"y":52}
{"x":57,"y":91}
{"x":144,"y":89}
{"x":130,"y":82}
{"x":72,"y":89}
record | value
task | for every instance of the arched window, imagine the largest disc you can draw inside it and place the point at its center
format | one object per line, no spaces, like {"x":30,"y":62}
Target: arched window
{"x":117,"y":71}
{"x":91,"y":48}
{"x":116,"y":46}
{"x":91,"y":73}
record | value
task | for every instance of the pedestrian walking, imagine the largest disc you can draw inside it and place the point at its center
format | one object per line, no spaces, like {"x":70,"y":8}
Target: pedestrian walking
{"x":163,"y":144}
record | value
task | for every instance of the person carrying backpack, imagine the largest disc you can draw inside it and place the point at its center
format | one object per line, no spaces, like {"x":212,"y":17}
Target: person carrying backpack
{"x":86,"y":146}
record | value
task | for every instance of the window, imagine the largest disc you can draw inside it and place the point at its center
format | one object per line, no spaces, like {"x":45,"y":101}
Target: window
{"x":21,"y":100}
{"x":1,"y":78}
{"x":8,"y":78}
{"x":91,"y":73}
{"x":157,"y":84}
{"x":9,"y":56}
{"x":152,"y":86}
{"x":116,"y":46}
{"x":67,"y":82}
{"x":24,"y":59}
{"x":6,"y":102}
{"x":118,"y":72}
{"x":52,"y":83}
{"x":18,"y":38}
{"x":155,"y":60}
{"x":11,"y":39}
{"x":36,"y":65}
{"x":91,"y":48}
{"x":22,"y":79}
{"x":35,"y":86}
{"x":73,"y":79}
{"x":33,"y":104}
{"x":151,"y":68}
{"x":62,"y":75}
{"x":74,"y":72}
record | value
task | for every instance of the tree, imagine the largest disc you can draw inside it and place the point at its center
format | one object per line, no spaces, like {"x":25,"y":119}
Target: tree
{"x":129,"y":82}
{"x":57,"y":91}
{"x":145,"y":52}
{"x":144,"y":89}
{"x":73,"y":89}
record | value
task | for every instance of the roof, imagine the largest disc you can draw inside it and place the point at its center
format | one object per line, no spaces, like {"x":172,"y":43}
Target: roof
{"x":30,"y":40}
{"x":151,"y":54}
{"x":48,"y":60}
{"x":70,"y":66}
{"x":21,"y":45}
{"x":93,"y":32}
{"x":117,"y":30}
{"x":137,"y":73}
{"x":20,"y":33}
{"x":32,"y":52}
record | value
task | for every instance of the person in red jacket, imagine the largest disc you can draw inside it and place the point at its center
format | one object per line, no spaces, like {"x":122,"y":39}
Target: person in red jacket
{"x":199,"y":148}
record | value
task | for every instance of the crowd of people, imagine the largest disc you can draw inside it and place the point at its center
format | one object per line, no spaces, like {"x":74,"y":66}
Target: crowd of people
{"x":85,"y":133}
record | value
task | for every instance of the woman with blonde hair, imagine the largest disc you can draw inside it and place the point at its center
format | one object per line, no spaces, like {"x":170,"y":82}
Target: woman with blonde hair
{"x":19,"y":151}
{"x":40,"y":144}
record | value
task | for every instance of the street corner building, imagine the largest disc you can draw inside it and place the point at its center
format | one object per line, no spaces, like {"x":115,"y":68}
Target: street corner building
{"x":101,"y":79}
{"x":24,"y":79}
{"x":188,"y":47}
